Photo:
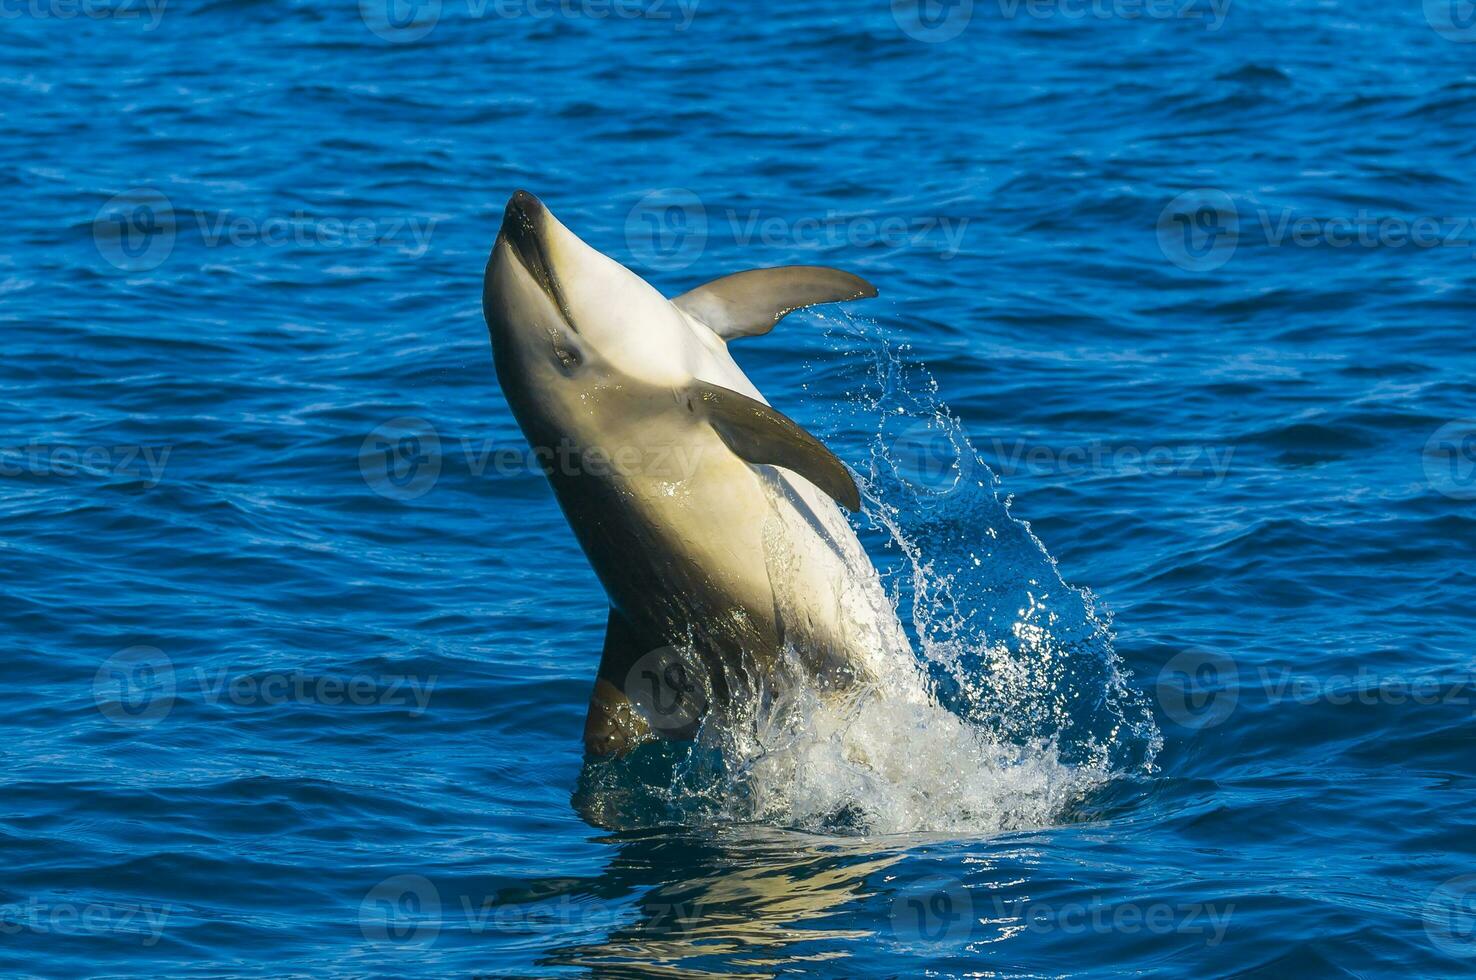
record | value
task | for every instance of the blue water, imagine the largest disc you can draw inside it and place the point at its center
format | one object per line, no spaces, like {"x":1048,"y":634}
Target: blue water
{"x":299,"y":646}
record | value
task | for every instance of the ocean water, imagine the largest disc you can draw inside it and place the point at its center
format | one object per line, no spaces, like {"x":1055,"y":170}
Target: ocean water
{"x":1164,"y":417}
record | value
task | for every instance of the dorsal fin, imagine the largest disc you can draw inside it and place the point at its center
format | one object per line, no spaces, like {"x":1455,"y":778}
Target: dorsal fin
{"x":748,"y":304}
{"x":759,"y":434}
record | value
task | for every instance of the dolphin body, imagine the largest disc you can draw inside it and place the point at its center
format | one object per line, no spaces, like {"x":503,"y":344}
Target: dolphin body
{"x":710,"y":518}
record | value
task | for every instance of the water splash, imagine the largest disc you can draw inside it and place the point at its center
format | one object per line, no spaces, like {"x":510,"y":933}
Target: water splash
{"x":998,"y":703}
{"x":1011,"y":647}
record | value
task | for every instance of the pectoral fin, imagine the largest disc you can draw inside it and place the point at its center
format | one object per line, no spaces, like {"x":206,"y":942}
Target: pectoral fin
{"x":758,"y":434}
{"x":748,"y":304}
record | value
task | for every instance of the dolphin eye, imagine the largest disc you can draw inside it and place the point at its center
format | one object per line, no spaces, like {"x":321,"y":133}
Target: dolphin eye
{"x":569,"y":359}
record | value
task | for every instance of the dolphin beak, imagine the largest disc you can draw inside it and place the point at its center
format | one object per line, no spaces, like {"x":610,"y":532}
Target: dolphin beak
{"x":522,"y":229}
{"x":523,"y":225}
{"x":522,"y":220}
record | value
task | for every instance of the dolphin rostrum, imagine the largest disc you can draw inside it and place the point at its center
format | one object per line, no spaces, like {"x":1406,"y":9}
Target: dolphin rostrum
{"x":710,"y":518}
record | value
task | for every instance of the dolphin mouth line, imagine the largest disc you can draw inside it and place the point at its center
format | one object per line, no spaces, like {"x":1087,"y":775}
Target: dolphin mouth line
{"x":520,"y":231}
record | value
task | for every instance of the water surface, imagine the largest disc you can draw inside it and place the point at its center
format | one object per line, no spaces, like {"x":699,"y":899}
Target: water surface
{"x":299,"y":647}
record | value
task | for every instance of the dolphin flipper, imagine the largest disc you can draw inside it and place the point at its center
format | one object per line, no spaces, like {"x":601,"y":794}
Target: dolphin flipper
{"x":758,"y":434}
{"x":748,"y":304}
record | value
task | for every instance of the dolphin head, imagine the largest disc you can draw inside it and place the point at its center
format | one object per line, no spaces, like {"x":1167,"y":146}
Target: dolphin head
{"x":565,"y":318}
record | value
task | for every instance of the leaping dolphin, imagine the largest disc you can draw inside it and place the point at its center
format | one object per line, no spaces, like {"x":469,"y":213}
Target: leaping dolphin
{"x":709,"y":517}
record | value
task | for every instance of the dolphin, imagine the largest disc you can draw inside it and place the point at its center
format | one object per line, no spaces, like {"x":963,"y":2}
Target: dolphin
{"x":713,"y":521}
